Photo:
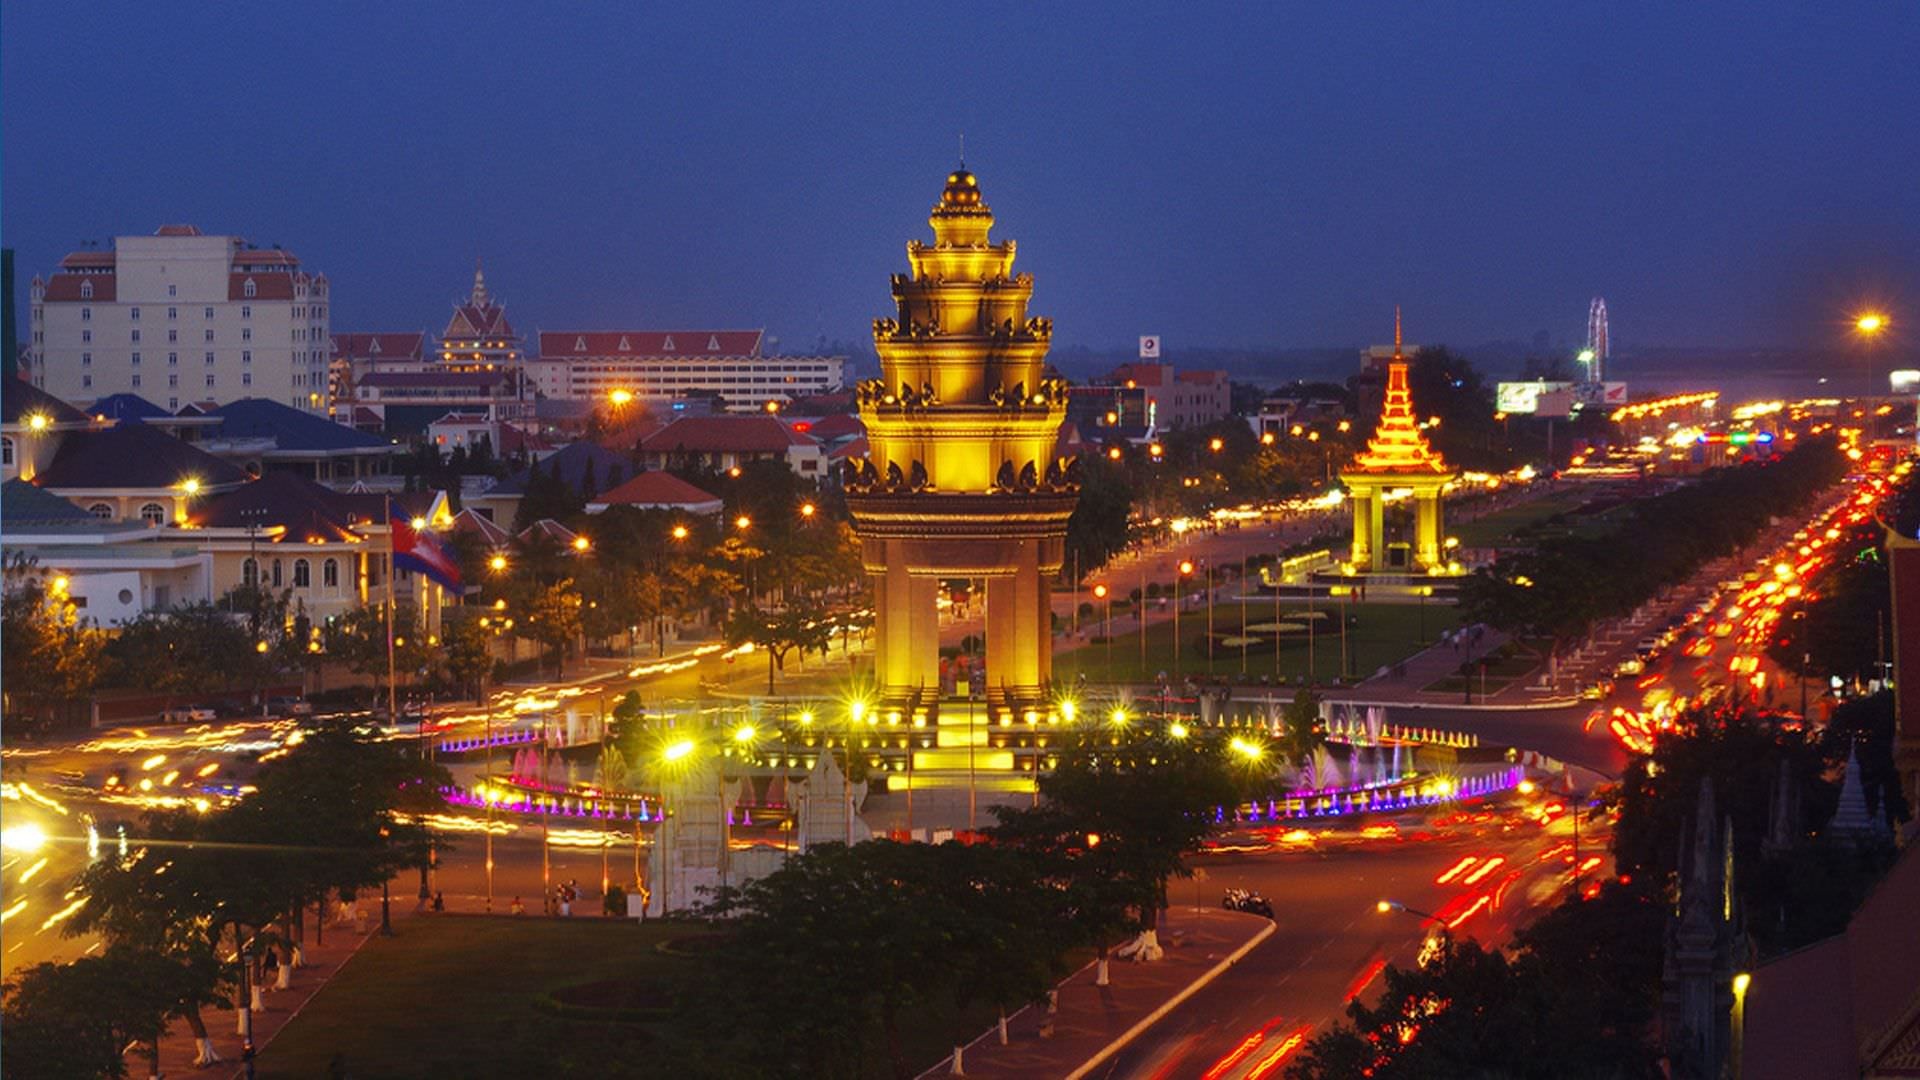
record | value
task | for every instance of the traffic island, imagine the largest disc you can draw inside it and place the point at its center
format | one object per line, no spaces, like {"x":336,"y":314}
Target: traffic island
{"x":1088,"y":1024}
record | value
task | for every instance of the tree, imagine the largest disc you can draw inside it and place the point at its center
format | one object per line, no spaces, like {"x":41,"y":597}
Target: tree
{"x":73,"y":1020}
{"x":187,"y":651}
{"x":1301,"y":733}
{"x":802,"y":626}
{"x":51,"y":655}
{"x":465,"y":641}
{"x":1114,"y":825}
{"x":1097,"y":531}
{"x":554,"y":619}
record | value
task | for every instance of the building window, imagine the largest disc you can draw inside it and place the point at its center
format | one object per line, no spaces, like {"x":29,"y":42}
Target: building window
{"x":246,"y":311}
{"x":86,"y":337}
{"x":246,"y":356}
{"x":173,"y":404}
{"x":246,"y":378}
{"x":172,"y":290}
{"x":136,"y":335}
{"x":172,"y":312}
{"x":209,"y":313}
{"x":86,"y":313}
{"x":101,"y":511}
{"x":173,"y":335}
{"x":136,"y":359}
{"x":136,"y":380}
{"x":173,"y":359}
{"x":6,"y":451}
{"x":153,"y":513}
{"x":246,"y":333}
{"x":86,"y":293}
{"x":209,"y":336}
{"x":209,"y":359}
{"x":276,"y":573}
{"x":209,"y":380}
{"x":302,"y":574}
{"x":86,"y":382}
{"x":173,"y":382}
{"x":86,"y":359}
{"x":249,"y":573}
{"x":248,"y":290}
{"x":134,"y":314}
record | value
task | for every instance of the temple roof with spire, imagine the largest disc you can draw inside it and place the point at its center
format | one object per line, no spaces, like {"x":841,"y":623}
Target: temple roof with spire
{"x":481,"y":316}
{"x":1397,"y":446}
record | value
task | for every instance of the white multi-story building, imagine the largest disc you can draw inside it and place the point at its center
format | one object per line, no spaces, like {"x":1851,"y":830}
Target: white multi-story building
{"x":181,"y":318}
{"x":663,"y":366}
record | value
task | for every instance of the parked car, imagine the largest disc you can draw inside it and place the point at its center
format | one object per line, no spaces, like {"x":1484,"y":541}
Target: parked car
{"x":289,"y":706}
{"x":189,"y":714}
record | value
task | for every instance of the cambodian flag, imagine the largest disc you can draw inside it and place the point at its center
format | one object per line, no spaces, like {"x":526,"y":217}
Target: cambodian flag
{"x":417,"y":550}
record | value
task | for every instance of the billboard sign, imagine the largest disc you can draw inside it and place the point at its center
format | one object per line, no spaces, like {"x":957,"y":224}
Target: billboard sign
{"x":1524,"y":398}
{"x":1607,"y":394}
{"x":1150,"y":347}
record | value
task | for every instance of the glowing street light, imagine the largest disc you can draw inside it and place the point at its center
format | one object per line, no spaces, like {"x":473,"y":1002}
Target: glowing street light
{"x":581,"y":543}
{"x":1177,"y":729}
{"x":679,"y":532}
{"x":1216,"y":444}
{"x":745,"y":733}
{"x":677,"y":751}
{"x":743,"y":522}
{"x":807,"y":510}
{"x":497,"y":564}
{"x":1870,"y":323}
{"x":1252,"y":751}
{"x":620,"y":398}
{"x":191,"y":485}
{"x":1118,"y":717}
{"x":38,"y":422}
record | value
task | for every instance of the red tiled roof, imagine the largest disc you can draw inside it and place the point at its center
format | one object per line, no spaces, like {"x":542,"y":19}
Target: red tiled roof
{"x":87,"y":258}
{"x":379,"y":346}
{"x":433,"y":378}
{"x":474,"y":320}
{"x":855,"y":449}
{"x":630,"y":434}
{"x":267,"y":285}
{"x":837,"y":426}
{"x":515,"y":439}
{"x":64,"y":288}
{"x":567,"y":344}
{"x":724,"y":434}
{"x":177,"y":230}
{"x":548,"y":527}
{"x":1202,"y":377}
{"x":470,"y":521}
{"x":658,"y":488}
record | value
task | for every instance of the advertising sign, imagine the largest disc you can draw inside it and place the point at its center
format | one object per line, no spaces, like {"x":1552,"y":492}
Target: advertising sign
{"x":1523,"y":398}
{"x":1150,"y":347}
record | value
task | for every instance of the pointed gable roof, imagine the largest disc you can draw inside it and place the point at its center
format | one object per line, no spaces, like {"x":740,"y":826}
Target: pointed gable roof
{"x":20,"y":399}
{"x":292,"y":430}
{"x":681,"y":343}
{"x":308,"y":512}
{"x":22,"y":503}
{"x":490,"y":534}
{"x":126,"y":407}
{"x":662,"y":490}
{"x":133,"y":456}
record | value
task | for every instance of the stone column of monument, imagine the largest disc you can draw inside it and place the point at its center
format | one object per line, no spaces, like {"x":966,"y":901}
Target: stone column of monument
{"x":963,"y":478}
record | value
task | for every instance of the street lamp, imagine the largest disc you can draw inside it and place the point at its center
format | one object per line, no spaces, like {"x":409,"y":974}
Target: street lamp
{"x":1869,"y":325}
{"x":679,"y":532}
{"x":497,"y":564}
{"x":1186,"y":569}
{"x":1446,"y":932}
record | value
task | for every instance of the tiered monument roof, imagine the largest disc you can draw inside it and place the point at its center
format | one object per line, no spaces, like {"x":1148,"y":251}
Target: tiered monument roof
{"x":1397,"y":446}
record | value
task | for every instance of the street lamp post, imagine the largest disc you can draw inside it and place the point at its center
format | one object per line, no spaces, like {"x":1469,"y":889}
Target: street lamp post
{"x":1446,"y":932}
{"x":1185,"y":568}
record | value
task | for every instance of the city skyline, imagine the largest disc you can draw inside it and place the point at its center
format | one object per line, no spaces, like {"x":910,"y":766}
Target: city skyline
{"x":1223,"y":183}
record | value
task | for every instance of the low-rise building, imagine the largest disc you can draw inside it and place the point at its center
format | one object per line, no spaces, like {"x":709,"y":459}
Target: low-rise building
{"x":667,"y":365}
{"x":658,"y":491}
{"x":728,"y":442}
{"x":1169,"y":398}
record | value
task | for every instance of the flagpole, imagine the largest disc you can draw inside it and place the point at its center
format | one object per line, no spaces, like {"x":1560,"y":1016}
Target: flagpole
{"x":393,"y":572}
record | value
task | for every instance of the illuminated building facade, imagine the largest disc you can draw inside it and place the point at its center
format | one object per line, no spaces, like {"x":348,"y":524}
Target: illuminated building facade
{"x":961,"y":478}
{"x":1397,"y":459}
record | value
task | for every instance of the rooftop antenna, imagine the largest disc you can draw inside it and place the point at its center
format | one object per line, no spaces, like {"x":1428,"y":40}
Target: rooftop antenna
{"x":963,"y":151}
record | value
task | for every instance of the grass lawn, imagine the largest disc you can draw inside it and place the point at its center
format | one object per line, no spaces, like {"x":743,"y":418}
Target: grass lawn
{"x":1383,"y":634}
{"x":1502,"y":524}
{"x":1504,"y":666}
{"x":454,"y":996}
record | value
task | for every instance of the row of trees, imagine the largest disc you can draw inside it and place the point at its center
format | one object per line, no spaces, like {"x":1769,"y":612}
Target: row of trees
{"x":872,"y":935}
{"x":1578,"y":992}
{"x":333,"y":816}
{"x":1559,"y":589}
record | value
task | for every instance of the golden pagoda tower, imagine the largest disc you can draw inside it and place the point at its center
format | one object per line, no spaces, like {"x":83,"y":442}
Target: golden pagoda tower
{"x":961,"y":478}
{"x":1397,"y":458}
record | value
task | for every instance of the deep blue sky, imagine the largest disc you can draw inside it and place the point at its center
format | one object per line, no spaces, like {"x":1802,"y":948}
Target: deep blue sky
{"x":1277,"y":174}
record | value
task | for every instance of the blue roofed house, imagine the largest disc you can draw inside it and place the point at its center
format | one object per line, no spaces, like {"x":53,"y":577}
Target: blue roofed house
{"x":263,"y":436}
{"x":585,"y":466}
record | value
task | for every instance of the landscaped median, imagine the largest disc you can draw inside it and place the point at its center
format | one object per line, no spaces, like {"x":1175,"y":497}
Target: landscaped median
{"x":1092,"y":1023}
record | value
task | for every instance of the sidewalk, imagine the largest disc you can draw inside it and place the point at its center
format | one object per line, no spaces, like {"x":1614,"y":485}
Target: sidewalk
{"x":177,"y":1049}
{"x":1095,"y":1022}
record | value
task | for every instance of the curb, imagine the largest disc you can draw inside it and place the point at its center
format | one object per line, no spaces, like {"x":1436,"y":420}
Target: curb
{"x":1530,"y":706}
{"x":1173,"y":1002}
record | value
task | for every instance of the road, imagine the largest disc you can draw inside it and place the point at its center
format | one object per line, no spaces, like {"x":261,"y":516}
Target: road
{"x":1331,"y":942}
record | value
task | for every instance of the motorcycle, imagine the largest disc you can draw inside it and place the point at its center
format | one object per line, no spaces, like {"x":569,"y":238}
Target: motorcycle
{"x":1250,"y":902}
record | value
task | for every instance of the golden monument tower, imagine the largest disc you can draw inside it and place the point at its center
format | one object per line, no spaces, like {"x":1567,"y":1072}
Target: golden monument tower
{"x":1397,"y":458}
{"x":962,"y":477}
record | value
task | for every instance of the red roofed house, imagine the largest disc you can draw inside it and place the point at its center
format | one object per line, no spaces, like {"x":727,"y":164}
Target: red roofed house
{"x":669,"y":365}
{"x":178,"y":317}
{"x":724,"y":442}
{"x":658,"y":491}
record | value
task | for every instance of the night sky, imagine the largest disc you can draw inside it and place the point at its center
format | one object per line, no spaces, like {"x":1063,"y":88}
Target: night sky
{"x":1247,"y":175}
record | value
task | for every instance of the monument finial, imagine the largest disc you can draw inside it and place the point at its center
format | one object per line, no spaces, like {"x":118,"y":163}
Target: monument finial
{"x":963,"y":151}
{"x":479,"y":298}
{"x":1396,"y":331}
